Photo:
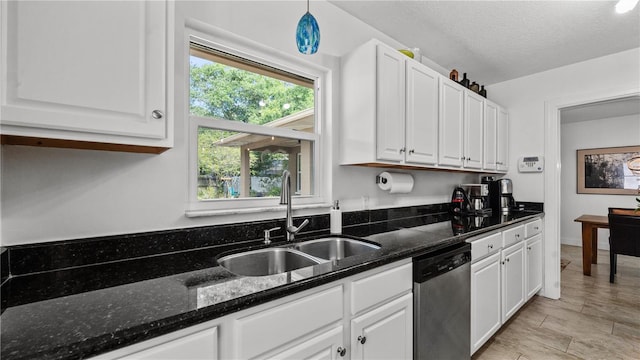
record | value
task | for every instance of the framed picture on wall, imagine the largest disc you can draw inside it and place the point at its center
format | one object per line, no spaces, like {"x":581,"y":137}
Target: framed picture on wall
{"x":614,"y":170}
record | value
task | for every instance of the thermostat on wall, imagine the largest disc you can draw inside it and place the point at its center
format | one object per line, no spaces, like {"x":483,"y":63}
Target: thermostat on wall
{"x":530,"y":164}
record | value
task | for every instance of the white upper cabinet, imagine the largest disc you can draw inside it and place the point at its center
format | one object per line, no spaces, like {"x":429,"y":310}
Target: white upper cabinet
{"x":473,"y":130}
{"x":389,"y":108}
{"x":461,"y":126}
{"x":502,"y":150}
{"x":451,"y":123}
{"x":89,"y":71}
{"x":490,"y":136}
{"x":396,"y":111}
{"x":422,"y":114}
{"x":390,"y":90}
{"x":496,"y":140}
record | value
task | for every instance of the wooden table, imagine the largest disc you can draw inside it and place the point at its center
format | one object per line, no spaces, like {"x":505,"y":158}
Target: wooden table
{"x":590,"y":225}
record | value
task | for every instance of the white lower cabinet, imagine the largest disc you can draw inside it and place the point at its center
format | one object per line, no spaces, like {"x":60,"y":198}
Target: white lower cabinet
{"x":327,"y":346}
{"x":327,"y":322}
{"x":384,"y":333}
{"x":280,"y":327}
{"x":513,"y":280}
{"x":485,"y":300}
{"x":534,"y":265}
{"x":200,"y":342}
{"x":506,"y":271}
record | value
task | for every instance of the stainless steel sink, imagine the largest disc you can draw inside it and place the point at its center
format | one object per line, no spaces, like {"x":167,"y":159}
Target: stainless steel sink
{"x":268,"y":261}
{"x":335,"y":248}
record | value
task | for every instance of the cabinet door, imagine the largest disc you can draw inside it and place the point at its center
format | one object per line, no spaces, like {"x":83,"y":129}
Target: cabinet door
{"x":502,"y":150}
{"x":384,"y":333}
{"x":199,"y":346}
{"x":450,"y":124}
{"x":512,"y":280}
{"x":534,"y":265}
{"x":490,"y":136}
{"x":390,"y":105}
{"x":422,"y":114}
{"x":255,"y":334}
{"x":473,"y":129}
{"x":75,"y":69}
{"x":327,"y":346}
{"x":485,"y":300}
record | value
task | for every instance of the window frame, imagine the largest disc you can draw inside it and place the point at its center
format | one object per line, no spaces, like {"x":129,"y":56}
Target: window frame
{"x":258,"y":53}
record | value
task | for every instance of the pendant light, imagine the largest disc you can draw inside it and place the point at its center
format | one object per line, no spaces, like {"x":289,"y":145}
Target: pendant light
{"x":308,"y":33}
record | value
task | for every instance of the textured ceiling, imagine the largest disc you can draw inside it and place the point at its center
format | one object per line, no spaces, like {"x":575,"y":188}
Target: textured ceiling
{"x":494,"y":41}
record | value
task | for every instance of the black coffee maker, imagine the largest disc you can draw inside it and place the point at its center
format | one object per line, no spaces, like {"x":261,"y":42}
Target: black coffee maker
{"x":501,"y":196}
{"x":460,"y":203}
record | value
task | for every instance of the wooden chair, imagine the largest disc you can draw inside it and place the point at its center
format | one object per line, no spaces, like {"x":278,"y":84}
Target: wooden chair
{"x":624,"y":236}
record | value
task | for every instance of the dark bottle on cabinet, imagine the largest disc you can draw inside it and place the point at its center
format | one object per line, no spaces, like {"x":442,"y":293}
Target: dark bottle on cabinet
{"x":464,"y":82}
{"x":483,"y":91}
{"x":475,"y":87}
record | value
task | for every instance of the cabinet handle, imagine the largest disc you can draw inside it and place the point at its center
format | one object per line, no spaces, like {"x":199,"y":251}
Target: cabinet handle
{"x":528,"y":247}
{"x":507,"y":259}
{"x":157,"y":114}
{"x":342,"y":351}
{"x":517,"y":236}
{"x":503,"y":263}
{"x":499,"y":163}
{"x":411,"y":151}
{"x":490,"y":246}
{"x":402,"y":150}
{"x":536,"y":228}
{"x":362,"y":339}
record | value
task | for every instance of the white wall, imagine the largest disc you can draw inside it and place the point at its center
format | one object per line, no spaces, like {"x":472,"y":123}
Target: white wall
{"x":610,"y":132}
{"x":57,"y":194}
{"x":525,"y":98}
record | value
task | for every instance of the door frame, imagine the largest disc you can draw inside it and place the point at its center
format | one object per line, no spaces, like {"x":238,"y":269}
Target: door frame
{"x":552,"y":177}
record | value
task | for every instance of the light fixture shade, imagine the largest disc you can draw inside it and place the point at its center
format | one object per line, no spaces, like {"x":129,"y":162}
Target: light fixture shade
{"x":308,"y":34}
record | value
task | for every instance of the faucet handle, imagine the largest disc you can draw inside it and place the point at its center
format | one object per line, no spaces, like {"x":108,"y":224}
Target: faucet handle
{"x":304,"y":223}
{"x":267,"y":235}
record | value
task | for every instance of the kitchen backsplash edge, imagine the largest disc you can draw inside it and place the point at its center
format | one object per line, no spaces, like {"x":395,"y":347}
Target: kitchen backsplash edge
{"x":52,"y":256}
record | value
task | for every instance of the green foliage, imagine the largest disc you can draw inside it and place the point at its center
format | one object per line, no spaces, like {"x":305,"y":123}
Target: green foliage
{"x":228,"y":93}
{"x":225,"y":92}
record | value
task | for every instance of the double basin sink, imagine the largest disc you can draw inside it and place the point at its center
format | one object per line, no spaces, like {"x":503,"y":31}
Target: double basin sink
{"x":276,"y":260}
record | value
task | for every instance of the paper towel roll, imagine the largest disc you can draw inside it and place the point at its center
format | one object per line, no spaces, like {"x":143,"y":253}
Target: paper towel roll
{"x":395,"y":183}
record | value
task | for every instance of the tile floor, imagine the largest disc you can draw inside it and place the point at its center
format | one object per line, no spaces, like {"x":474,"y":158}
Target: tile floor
{"x":593,"y":319}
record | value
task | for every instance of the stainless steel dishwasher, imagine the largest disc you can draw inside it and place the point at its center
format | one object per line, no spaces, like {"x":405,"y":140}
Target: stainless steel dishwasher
{"x":442,"y":304}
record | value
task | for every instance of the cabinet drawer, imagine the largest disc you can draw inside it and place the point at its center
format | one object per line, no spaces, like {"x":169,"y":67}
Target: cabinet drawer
{"x":533,"y":228}
{"x":485,"y":245}
{"x":377,"y":288}
{"x":512,"y":236}
{"x":271,"y":328}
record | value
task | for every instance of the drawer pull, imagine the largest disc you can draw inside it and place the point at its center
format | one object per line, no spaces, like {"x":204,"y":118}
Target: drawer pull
{"x":362,"y":339}
{"x":490,"y":246}
{"x":342,"y":351}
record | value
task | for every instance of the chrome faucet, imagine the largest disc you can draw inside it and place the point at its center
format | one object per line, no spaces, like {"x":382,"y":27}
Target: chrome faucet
{"x":285,"y":198}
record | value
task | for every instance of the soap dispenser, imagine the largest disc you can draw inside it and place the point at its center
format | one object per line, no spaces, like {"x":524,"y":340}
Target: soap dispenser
{"x":335,"y":219}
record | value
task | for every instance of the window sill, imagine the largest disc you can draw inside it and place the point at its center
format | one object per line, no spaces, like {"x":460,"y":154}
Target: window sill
{"x":280,"y":208}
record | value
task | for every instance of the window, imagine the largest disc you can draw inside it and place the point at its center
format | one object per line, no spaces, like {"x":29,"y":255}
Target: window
{"x":251,"y":121}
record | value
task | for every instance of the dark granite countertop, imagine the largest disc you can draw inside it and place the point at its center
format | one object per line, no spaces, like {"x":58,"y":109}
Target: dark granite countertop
{"x":78,"y":313}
